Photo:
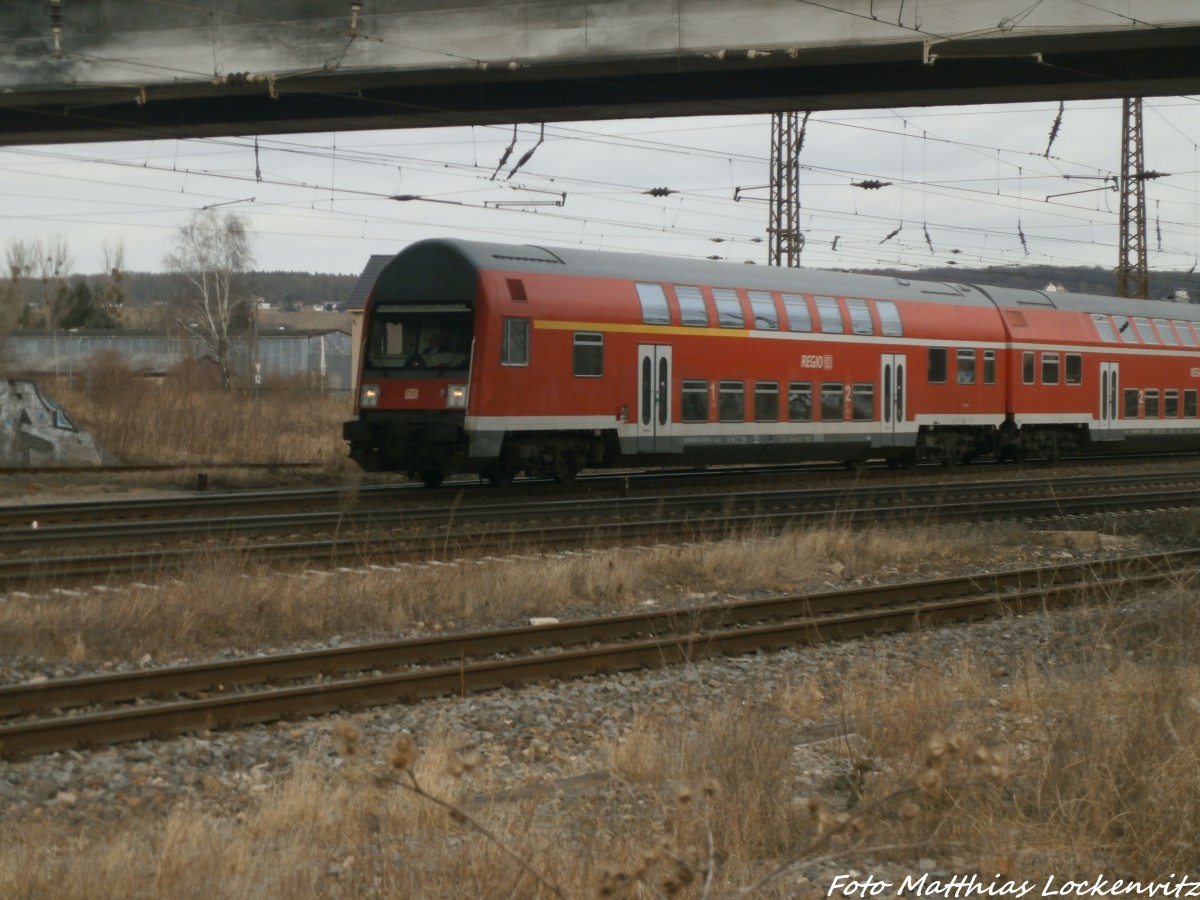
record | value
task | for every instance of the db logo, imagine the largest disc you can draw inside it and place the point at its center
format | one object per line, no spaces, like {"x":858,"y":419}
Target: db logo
{"x":1196,"y":371}
{"x":411,"y":393}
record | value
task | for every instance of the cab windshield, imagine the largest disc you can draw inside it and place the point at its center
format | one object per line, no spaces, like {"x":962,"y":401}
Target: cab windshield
{"x":413,"y":341}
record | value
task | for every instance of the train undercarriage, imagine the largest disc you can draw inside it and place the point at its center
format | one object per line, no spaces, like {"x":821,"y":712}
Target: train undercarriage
{"x":430,"y":446}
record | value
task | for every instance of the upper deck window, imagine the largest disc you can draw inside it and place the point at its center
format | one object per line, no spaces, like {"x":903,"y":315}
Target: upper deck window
{"x":762,"y":305}
{"x":729,"y":308}
{"x":860,"y":317}
{"x":1163,"y":327}
{"x":654,"y":304}
{"x":691,"y":305}
{"x":1125,"y":330}
{"x":796,"y":307}
{"x":830,"y":315}
{"x":1185,"y":333}
{"x":1145,"y":332}
{"x":889,"y":318}
{"x":1104,"y":328}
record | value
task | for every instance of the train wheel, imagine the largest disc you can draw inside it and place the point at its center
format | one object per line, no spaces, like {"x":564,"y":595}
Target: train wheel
{"x":499,"y":475}
{"x":432,"y":478}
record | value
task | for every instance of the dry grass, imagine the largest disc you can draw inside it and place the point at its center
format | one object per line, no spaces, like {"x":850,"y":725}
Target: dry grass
{"x":187,"y":419}
{"x":1028,"y":768}
{"x":227,"y":601}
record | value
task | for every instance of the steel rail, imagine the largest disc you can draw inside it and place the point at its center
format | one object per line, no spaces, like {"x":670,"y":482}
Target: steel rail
{"x":806,"y":620}
{"x":724,"y":519}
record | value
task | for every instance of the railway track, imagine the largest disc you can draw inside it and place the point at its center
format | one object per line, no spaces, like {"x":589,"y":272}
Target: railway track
{"x":109,"y":709}
{"x":411,"y":532}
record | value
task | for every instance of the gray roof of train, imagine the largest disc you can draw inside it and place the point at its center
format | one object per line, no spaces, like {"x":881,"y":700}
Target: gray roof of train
{"x":645,"y":267}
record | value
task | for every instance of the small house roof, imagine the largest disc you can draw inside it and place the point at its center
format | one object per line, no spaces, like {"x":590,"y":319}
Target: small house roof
{"x":362,"y":287}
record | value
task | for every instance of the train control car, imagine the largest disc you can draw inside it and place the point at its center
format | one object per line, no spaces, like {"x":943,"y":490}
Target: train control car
{"x":496,"y":359}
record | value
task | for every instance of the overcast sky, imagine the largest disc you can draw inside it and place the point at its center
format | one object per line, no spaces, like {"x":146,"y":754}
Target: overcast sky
{"x":973,"y":185}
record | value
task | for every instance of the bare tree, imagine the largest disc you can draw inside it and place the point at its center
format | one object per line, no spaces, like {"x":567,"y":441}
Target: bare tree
{"x":111,"y":295}
{"x":52,"y":263}
{"x":210,"y":250}
{"x":18,"y":266}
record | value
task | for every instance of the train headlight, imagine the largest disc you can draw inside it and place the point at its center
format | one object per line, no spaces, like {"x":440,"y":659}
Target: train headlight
{"x":368,"y":396}
{"x":456,"y":396}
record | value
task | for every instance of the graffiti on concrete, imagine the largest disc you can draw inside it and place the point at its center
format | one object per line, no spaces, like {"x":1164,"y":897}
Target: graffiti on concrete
{"x":36,"y":431}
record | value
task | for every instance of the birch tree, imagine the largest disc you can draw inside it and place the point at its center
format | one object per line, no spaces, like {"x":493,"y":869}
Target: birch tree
{"x":209,"y":252}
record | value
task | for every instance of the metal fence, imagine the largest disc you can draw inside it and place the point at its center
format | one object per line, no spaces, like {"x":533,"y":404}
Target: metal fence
{"x":321,"y":359}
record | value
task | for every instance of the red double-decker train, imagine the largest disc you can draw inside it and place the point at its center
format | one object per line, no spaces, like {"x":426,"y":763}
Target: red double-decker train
{"x":497,"y":359}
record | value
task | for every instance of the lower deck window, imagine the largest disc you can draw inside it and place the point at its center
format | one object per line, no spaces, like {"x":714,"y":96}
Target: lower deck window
{"x":862,"y":401}
{"x":1171,"y":404}
{"x":1130,"y":406}
{"x":694,"y":404}
{"x":1189,"y":404}
{"x":589,"y":354}
{"x":731,"y":401}
{"x":1152,"y":403}
{"x":832,"y":407}
{"x":514,"y":343}
{"x":800,"y":401}
{"x":766,"y":401}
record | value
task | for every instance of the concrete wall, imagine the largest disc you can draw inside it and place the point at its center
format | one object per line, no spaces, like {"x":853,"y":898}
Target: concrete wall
{"x":35,"y":431}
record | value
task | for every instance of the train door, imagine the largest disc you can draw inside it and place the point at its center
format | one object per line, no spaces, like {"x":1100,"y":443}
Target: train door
{"x":1110,"y":399}
{"x":894,"y":379}
{"x":654,"y":398}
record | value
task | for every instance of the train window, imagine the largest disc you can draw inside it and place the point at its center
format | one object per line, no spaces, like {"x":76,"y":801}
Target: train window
{"x":796,"y":307}
{"x":589,"y":354}
{"x":1125,"y":329}
{"x":860,"y":317}
{"x":1028,"y":368}
{"x":965,"y":367}
{"x":654,"y":304}
{"x":694,"y":405}
{"x":762,"y":305}
{"x":514,"y":343}
{"x":1163,"y":327}
{"x":729,"y":308}
{"x":1151,"y":401}
{"x":412,"y":339}
{"x":1049,"y":368}
{"x":829,"y":314}
{"x":1131,"y":403}
{"x":1145,"y":332}
{"x":1194,"y":326}
{"x":862,"y":402}
{"x":1104,"y":328}
{"x":1185,"y":333}
{"x":1171,"y":404}
{"x":731,"y":401}
{"x":989,"y":366}
{"x":937,"y":365}
{"x":1189,"y":403}
{"x":833,"y":406}
{"x":766,"y":401}
{"x":800,"y":401}
{"x":889,"y":318}
{"x":1074,"y":373}
{"x":691,"y":305}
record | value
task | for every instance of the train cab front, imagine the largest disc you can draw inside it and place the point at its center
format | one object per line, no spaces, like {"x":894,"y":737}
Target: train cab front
{"x":412,"y":397}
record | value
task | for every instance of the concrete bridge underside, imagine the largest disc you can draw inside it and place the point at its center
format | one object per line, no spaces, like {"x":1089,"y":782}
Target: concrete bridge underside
{"x":145,"y":69}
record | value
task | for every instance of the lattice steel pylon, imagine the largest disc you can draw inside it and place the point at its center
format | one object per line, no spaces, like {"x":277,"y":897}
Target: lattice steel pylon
{"x":1132,"y":275}
{"x":783,"y":228}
